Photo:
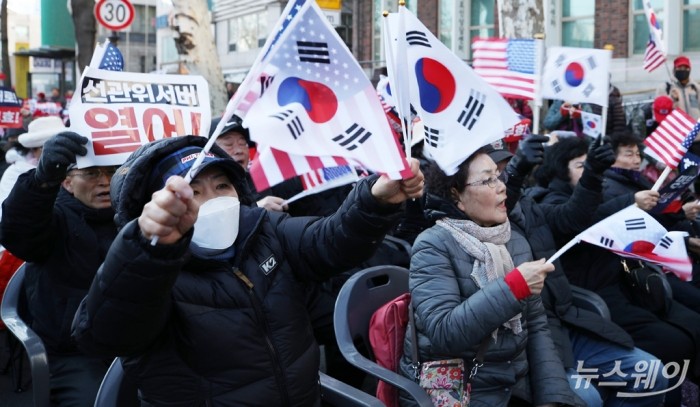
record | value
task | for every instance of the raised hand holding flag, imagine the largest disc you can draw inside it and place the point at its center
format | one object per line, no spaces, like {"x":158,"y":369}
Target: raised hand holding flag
{"x":318,"y":101}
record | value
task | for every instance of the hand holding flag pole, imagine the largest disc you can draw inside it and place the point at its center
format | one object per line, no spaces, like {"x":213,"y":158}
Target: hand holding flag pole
{"x":198,"y":161}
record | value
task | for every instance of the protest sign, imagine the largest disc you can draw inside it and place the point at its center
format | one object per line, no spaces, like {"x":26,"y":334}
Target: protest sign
{"x":120,"y":111}
{"x":10,"y":107}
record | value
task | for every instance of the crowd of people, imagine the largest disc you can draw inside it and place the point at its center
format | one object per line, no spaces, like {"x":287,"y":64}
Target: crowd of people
{"x":213,"y":293}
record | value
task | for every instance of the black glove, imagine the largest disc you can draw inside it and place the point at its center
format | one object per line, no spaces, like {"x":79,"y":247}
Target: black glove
{"x":600,"y":156}
{"x":529,"y":154}
{"x":58,"y":153}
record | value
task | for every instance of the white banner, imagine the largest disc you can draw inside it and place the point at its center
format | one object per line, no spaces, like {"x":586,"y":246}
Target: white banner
{"x":121,"y":111}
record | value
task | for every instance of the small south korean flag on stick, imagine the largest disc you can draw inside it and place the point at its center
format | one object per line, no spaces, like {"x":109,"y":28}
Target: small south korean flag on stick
{"x":591,"y":124}
{"x":577,"y":75}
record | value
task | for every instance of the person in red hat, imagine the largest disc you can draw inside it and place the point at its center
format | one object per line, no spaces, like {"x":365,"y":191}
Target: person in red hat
{"x":683,"y":90}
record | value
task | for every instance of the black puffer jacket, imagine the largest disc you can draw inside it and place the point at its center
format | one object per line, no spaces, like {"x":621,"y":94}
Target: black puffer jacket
{"x":537,"y":223}
{"x":63,"y":242}
{"x":201,"y":332}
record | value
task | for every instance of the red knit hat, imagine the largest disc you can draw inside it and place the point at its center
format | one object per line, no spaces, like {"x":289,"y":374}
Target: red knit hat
{"x":681,"y":61}
{"x":663,"y":105}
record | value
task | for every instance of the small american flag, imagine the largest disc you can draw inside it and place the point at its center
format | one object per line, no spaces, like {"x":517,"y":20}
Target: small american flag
{"x":653,"y":57}
{"x":672,"y":139}
{"x":316,"y":178}
{"x":507,"y":64}
{"x":112,"y":59}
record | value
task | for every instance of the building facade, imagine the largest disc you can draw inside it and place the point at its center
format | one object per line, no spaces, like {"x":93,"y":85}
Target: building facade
{"x":138,"y":41}
{"x":241,"y":27}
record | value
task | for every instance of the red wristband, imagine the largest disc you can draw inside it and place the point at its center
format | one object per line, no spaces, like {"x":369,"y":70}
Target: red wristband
{"x":517,"y":284}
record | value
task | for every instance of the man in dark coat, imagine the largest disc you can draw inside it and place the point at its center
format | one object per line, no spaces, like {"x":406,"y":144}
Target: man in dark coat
{"x":203,"y":321}
{"x":62,"y":226}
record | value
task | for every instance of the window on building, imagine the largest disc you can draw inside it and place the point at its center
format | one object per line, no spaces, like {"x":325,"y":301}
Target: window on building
{"x":344,"y":30}
{"x":447,"y":8}
{"x":691,"y":25}
{"x":640,"y":26}
{"x":482,"y":22}
{"x":577,"y":23}
{"x":391,"y":6}
{"x":247,"y":32}
{"x":144,"y":19}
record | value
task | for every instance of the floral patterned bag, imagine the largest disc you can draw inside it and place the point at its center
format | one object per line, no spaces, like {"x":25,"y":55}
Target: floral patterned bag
{"x":443,"y":380}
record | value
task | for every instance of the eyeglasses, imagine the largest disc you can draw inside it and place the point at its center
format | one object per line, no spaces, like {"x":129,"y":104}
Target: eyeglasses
{"x":92,"y":174}
{"x":490,"y":182}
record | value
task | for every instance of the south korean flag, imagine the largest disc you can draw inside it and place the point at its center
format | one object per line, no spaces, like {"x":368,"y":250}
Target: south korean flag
{"x":577,"y":75}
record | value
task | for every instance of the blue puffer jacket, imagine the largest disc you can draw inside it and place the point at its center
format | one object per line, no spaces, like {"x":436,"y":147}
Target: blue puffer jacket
{"x":197,"y":332}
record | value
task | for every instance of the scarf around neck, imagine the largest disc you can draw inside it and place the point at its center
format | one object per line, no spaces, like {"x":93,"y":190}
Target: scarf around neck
{"x":491,"y":258}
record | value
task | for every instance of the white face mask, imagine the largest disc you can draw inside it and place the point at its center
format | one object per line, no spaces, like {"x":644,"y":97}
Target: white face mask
{"x":216,"y":227}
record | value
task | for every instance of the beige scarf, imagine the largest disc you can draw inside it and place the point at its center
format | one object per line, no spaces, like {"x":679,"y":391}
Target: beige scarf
{"x":491,"y":258}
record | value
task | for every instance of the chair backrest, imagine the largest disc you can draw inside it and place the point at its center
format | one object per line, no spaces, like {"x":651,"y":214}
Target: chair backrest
{"x":115,"y":390}
{"x":360,"y":297}
{"x":11,"y":310}
{"x":590,"y":301}
{"x":337,"y":393}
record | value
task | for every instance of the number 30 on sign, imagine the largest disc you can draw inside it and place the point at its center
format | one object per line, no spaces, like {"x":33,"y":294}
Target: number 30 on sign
{"x":114,"y":14}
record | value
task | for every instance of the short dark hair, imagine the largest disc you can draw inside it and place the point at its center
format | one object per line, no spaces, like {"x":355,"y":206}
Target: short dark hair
{"x":440,"y":184}
{"x":625,"y":138}
{"x":557,"y":157}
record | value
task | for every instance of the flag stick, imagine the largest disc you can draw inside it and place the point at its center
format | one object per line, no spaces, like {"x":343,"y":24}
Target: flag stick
{"x":564,"y":249}
{"x":661,"y":179}
{"x":539,"y":61}
{"x":396,"y":74}
{"x":253,"y":74}
{"x":604,"y":121}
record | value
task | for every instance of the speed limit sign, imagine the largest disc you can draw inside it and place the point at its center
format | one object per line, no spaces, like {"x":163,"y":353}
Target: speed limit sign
{"x":114,"y":15}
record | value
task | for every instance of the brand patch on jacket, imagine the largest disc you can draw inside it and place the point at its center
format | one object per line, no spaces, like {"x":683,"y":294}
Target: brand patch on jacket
{"x":269,"y":264}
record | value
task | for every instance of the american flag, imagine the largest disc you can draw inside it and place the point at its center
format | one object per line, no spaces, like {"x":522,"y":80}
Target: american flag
{"x":672,"y":139}
{"x":273,"y":166}
{"x":653,"y":57}
{"x":507,"y":64}
{"x":316,"y":178}
{"x":112,"y":59}
{"x":318,"y":103}
{"x":289,"y":13}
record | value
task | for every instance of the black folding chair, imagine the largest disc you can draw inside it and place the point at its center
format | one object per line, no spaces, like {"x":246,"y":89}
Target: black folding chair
{"x":13,"y":311}
{"x":360,"y":297}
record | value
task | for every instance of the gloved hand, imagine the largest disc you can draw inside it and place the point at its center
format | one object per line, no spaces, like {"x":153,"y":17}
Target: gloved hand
{"x":529,"y":154}
{"x":58,"y":153}
{"x":600,"y":156}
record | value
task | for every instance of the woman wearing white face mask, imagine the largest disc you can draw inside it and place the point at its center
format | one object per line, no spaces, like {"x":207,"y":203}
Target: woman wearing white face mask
{"x":217,"y":315}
